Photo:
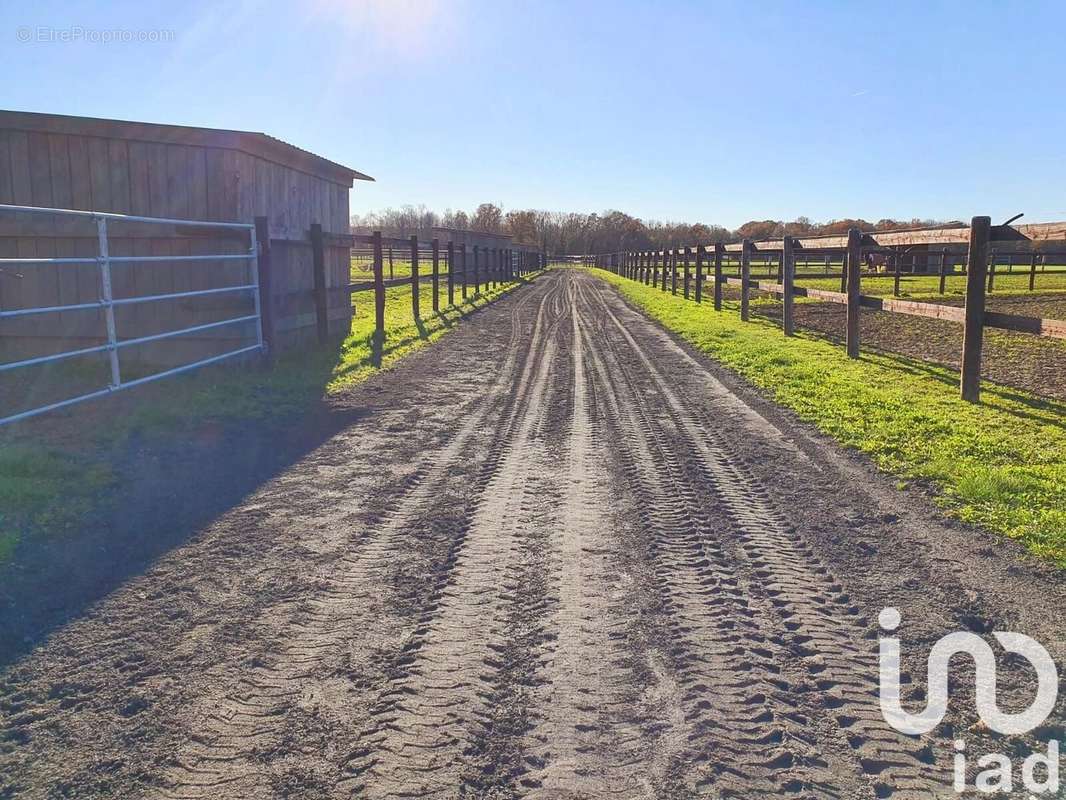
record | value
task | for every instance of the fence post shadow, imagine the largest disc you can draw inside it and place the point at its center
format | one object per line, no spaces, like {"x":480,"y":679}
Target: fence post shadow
{"x":377,"y":348}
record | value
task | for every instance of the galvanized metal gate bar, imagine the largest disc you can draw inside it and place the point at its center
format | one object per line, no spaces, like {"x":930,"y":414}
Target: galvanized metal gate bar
{"x":108,"y":302}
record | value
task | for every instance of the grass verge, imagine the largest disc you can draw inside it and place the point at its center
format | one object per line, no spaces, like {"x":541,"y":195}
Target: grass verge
{"x":1001,"y":464}
{"x":56,"y":469}
{"x":927,"y":287}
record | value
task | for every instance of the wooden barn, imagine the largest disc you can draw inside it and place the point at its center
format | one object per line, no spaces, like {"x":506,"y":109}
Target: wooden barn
{"x":174,"y":172}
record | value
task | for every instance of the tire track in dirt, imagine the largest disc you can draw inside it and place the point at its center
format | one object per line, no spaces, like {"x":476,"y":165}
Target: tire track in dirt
{"x":741,"y":729}
{"x":427,"y":725}
{"x":582,"y":744}
{"x":823,"y":628}
{"x":350,"y":609}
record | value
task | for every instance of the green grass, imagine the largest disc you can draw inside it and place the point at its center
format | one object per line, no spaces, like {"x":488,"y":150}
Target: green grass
{"x":928,"y":286}
{"x":49,"y":483}
{"x":45,"y":489}
{"x":363,"y":270}
{"x":1001,"y":464}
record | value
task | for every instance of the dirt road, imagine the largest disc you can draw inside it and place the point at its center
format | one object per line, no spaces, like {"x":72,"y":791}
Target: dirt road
{"x":559,"y":556}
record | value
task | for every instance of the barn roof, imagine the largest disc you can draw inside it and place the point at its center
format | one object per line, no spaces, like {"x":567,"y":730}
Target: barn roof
{"x":256,"y":144}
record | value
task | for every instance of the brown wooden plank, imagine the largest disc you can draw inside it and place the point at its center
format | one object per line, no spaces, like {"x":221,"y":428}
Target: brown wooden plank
{"x":59,"y":168}
{"x":40,"y":161}
{"x":177,"y":198}
{"x":822,"y":294}
{"x":197,"y":166}
{"x":1038,"y":326}
{"x":80,"y":174}
{"x":119,"y":172}
{"x":214,"y":184}
{"x":7,"y":191}
{"x":237,"y":201}
{"x":21,"y":190}
{"x":914,"y":308}
{"x":99,"y":179}
{"x":156,"y":162}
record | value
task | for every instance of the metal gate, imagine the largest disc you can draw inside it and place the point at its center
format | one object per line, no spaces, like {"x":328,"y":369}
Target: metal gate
{"x":107,"y":302}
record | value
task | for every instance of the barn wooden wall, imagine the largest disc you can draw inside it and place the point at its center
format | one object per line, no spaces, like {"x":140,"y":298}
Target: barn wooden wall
{"x":161,"y":180}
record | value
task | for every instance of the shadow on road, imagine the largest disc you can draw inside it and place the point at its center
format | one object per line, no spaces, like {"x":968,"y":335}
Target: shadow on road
{"x":168,"y":486}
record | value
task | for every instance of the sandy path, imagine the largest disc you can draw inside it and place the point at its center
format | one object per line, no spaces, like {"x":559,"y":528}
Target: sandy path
{"x":559,"y":555}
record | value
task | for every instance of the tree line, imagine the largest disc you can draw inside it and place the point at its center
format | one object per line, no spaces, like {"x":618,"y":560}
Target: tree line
{"x":563,"y":233}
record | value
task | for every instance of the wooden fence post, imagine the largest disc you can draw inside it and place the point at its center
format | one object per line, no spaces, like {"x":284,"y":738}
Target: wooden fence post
{"x":666,"y":264}
{"x":991,"y":270}
{"x":268,"y":320}
{"x":719,"y":253}
{"x":699,"y":272}
{"x":973,"y":329}
{"x":688,"y":276}
{"x":897,"y":265}
{"x":414,"y":278}
{"x":391,"y":273}
{"x":436,"y":275}
{"x":673,"y":271}
{"x":462,"y":248}
{"x":853,"y":262}
{"x":788,"y":274}
{"x":450,"y":255}
{"x":943,"y":270}
{"x":379,"y":289}
{"x":745,"y":278}
{"x":477,"y":273}
{"x":1032,"y":272}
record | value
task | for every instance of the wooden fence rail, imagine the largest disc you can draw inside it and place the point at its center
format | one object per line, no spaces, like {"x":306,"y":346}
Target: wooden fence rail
{"x":448,"y":260}
{"x":655,"y":268}
{"x":502,"y":265}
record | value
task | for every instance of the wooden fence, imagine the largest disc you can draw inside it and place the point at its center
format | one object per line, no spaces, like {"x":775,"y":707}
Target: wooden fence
{"x":696,"y":267}
{"x":449,"y":269}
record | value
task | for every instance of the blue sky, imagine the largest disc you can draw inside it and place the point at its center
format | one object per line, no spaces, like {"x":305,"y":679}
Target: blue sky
{"x":713,"y":112}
